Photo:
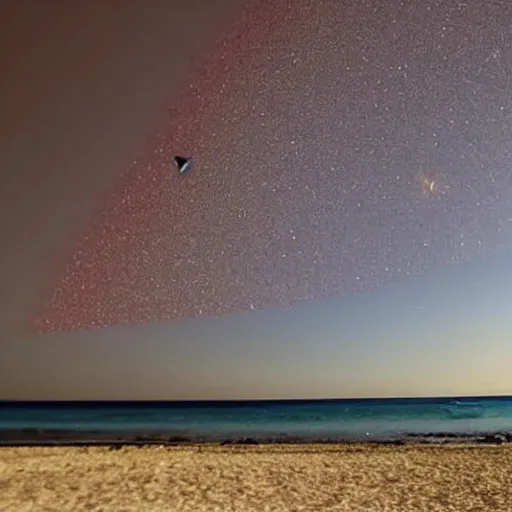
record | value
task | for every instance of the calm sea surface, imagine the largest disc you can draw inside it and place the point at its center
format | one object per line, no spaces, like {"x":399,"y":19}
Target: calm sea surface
{"x":305,"y":419}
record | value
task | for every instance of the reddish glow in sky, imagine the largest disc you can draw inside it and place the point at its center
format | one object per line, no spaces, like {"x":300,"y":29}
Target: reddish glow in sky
{"x":334,"y":150}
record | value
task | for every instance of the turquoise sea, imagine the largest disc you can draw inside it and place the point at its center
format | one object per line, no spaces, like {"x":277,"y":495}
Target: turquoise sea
{"x":367,"y":419}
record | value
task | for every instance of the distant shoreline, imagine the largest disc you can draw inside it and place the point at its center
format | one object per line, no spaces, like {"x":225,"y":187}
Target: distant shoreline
{"x":117,"y":438}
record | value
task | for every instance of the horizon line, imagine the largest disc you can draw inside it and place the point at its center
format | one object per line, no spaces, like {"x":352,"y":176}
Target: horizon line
{"x":243,"y":400}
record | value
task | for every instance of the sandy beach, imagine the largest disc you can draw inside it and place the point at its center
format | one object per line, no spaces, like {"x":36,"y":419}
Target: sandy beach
{"x":258,"y":478}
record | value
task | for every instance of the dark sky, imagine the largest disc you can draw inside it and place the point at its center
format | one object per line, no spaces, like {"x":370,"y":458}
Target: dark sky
{"x":82,"y":89}
{"x":338,"y":147}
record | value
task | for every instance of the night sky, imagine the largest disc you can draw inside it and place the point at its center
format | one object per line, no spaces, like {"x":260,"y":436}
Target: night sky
{"x":346,"y":229}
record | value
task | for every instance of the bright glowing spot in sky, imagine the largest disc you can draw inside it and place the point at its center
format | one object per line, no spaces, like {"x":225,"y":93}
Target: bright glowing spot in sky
{"x":428,"y":185}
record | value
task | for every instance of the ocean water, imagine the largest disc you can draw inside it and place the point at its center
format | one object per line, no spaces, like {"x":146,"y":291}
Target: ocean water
{"x":371,"y":419}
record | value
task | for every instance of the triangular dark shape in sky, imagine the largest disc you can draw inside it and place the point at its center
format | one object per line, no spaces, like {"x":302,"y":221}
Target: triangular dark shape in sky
{"x":183,"y":164}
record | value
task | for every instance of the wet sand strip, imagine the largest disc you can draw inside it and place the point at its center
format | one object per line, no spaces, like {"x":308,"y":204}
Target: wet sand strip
{"x":72,"y":437}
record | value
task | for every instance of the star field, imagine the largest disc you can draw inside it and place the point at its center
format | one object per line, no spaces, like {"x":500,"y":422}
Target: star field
{"x":336,"y":147}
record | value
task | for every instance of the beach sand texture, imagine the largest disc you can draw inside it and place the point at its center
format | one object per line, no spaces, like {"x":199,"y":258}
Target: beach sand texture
{"x":258,"y":478}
